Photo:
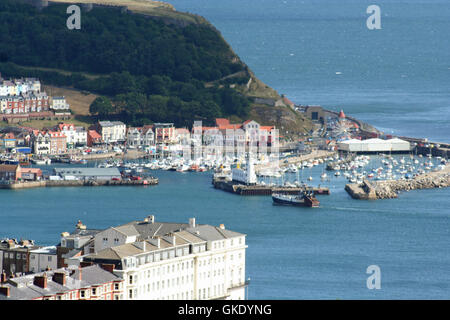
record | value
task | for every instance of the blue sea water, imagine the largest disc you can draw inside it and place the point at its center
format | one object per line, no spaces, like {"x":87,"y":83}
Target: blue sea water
{"x":396,"y":78}
{"x":293,"y":253}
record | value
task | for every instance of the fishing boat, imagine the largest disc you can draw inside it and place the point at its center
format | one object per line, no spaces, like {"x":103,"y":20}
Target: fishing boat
{"x":304,"y":199}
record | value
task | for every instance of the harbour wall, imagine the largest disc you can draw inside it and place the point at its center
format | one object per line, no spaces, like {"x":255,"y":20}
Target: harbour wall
{"x":388,"y":189}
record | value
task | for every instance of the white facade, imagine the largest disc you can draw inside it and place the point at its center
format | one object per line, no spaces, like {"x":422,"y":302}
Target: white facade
{"x":194,"y":263}
{"x":41,"y":144}
{"x":59,"y":103}
{"x":140,"y":137}
{"x":43,"y":258}
{"x":247,"y":176}
{"x":112,"y":131}
{"x":374,"y":145}
{"x":74,"y":135}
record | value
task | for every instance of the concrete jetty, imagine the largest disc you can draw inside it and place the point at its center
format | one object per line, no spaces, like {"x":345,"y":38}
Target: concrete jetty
{"x":388,"y":189}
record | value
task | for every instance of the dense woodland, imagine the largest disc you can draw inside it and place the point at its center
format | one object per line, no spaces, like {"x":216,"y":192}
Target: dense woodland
{"x":148,"y":71}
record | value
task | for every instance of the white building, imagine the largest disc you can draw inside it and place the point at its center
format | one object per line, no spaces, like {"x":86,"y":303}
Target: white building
{"x":75,"y":135}
{"x":112,"y":131}
{"x":140,"y":136}
{"x":59,"y":103}
{"x":43,"y":258}
{"x":41,"y":143}
{"x":374,"y":145}
{"x":247,"y":176}
{"x":174,"y":260}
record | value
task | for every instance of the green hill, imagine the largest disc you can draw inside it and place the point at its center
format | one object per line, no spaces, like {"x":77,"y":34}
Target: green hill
{"x":155,"y":63}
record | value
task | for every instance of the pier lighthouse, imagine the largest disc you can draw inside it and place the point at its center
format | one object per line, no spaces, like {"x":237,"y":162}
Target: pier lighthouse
{"x":247,"y":176}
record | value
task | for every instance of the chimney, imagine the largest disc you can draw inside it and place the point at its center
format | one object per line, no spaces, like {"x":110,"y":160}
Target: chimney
{"x":191,"y":222}
{"x":108,"y":267}
{"x":59,"y":277}
{"x":80,"y":273}
{"x":3,"y":277}
{"x":40,"y":281}
{"x":174,"y":240}
{"x":222,"y":226}
{"x":141,"y":245}
{"x":151,"y":219}
{"x":5,"y":291}
{"x":85,"y":264}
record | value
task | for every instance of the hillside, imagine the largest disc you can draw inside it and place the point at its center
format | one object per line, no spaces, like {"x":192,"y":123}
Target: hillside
{"x":153,"y":62}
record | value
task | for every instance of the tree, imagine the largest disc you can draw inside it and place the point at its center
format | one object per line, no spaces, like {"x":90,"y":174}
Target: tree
{"x":101,"y":106}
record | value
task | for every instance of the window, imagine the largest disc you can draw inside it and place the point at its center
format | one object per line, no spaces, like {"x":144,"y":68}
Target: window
{"x":82,"y":294}
{"x":116,"y":241}
{"x":94,"y":291}
{"x":116,"y":286}
{"x":49,"y":258}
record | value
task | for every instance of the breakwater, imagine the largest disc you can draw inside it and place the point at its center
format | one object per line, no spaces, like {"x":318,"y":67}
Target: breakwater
{"x":388,"y":189}
{"x":77,"y":183}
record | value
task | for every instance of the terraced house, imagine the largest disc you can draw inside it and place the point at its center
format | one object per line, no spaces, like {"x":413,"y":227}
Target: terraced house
{"x":75,"y":283}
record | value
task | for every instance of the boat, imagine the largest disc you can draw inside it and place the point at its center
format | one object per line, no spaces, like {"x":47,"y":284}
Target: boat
{"x":304,"y":199}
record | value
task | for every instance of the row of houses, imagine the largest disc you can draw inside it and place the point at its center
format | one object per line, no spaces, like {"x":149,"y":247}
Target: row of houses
{"x":23,"y":96}
{"x":143,"y":259}
{"x":57,"y":140}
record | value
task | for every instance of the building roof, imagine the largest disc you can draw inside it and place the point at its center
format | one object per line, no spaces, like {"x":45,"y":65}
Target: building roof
{"x":72,"y":171}
{"x":94,"y":134}
{"x":222,"y":122}
{"x":23,"y":288}
{"x":212,"y":233}
{"x":9,"y":167}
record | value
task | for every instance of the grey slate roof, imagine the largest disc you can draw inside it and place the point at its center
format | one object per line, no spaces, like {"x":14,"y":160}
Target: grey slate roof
{"x":87,"y":171}
{"x":212,"y":233}
{"x":22,"y":288}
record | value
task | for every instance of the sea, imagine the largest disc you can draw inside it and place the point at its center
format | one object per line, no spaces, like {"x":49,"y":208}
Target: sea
{"x":319,"y":52}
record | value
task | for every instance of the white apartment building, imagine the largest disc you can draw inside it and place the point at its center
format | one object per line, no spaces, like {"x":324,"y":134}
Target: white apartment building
{"x":112,"y":131}
{"x":167,"y":261}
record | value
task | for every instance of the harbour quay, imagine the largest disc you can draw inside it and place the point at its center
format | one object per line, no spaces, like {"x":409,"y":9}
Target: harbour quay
{"x":263,"y":190}
{"x":74,"y":177}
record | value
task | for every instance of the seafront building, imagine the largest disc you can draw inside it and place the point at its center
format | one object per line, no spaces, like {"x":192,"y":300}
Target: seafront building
{"x":112,"y":131}
{"x":160,"y":260}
